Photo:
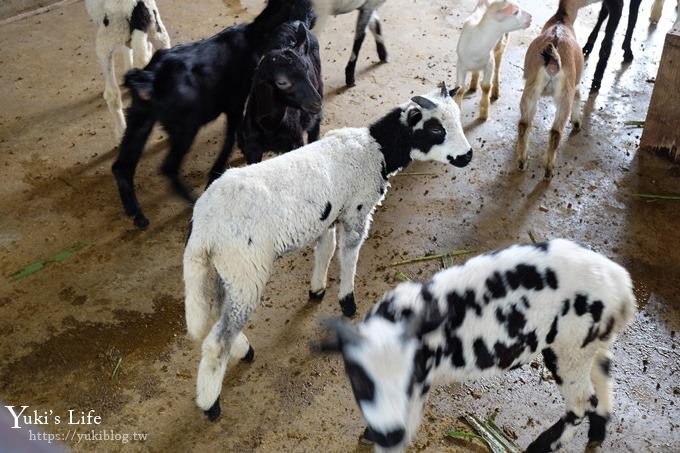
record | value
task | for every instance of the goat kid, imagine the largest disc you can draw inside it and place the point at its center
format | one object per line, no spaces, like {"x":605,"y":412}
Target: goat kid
{"x":368,"y":18}
{"x":285,"y":99}
{"x":494,"y":313}
{"x":553,"y":66}
{"x":134,"y":26}
{"x":188,"y":86}
{"x":481,"y":45}
{"x":251,"y":215}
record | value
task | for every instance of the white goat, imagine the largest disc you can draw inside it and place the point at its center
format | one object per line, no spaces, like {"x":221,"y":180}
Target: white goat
{"x":481,"y":45}
{"x":657,"y":8}
{"x":134,"y":26}
{"x":250,"y":216}
{"x":553,"y":66}
{"x":368,"y":18}
{"x":494,"y":313}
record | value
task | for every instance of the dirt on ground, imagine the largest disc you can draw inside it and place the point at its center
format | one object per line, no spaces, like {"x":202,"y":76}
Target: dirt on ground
{"x":99,"y":330}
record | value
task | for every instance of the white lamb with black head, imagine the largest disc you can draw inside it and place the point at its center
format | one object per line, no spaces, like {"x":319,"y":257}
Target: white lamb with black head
{"x":136,"y":28}
{"x":494,"y":313}
{"x":250,"y":216}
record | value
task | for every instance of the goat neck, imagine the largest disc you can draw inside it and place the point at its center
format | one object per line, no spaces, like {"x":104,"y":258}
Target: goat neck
{"x":566,"y":12}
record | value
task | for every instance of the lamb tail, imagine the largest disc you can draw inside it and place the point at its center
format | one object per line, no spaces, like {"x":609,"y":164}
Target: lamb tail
{"x":551,"y":59}
{"x":200,"y":288}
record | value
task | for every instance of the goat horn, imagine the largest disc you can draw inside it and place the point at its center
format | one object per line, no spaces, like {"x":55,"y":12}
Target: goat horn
{"x":444,"y":92}
{"x":424,"y":102}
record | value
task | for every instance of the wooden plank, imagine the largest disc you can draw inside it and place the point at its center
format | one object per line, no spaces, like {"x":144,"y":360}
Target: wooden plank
{"x":662,"y":125}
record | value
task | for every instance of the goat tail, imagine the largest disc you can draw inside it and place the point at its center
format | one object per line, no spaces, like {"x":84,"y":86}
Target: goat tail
{"x":624,"y":297}
{"x":140,"y":82}
{"x":551,"y":59}
{"x":200,"y":284}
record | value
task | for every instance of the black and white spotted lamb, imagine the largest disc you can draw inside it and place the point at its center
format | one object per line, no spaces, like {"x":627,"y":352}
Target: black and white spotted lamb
{"x":496,"y":312}
{"x":250,"y":216}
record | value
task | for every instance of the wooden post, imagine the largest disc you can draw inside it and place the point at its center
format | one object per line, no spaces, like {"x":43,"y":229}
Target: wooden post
{"x":661,"y":132}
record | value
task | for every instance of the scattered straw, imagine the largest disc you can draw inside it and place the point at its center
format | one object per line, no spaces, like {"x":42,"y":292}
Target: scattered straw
{"x":432,"y":257}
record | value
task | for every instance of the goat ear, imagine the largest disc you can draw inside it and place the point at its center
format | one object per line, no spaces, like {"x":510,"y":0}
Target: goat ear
{"x":264,"y":100}
{"x":453,"y":92}
{"x":413,"y":116}
{"x":424,"y":322}
{"x":509,"y":10}
{"x":300,"y":35}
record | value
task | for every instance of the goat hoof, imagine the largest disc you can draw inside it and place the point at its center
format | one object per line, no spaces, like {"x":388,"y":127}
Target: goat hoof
{"x":382,"y":53}
{"x":593,"y":444}
{"x":348,"y":306}
{"x":548,"y":174}
{"x":214,"y":412}
{"x":577,"y":125}
{"x":595,"y":87}
{"x":317,"y":295}
{"x":627,"y":57}
{"x":350,"y":83}
{"x":141,"y":222}
{"x":494,"y":97}
{"x":250,"y":355}
{"x":521,"y":165}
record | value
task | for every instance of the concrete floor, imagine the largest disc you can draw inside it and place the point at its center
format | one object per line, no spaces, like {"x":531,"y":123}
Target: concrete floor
{"x":103,"y":330}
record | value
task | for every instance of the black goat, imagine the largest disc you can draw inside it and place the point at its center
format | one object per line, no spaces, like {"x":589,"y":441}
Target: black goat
{"x":286,"y":94}
{"x":186,"y":87}
{"x":613,"y":9}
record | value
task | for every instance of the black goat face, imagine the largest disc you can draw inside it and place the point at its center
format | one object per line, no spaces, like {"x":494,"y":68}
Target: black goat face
{"x":286,"y":73}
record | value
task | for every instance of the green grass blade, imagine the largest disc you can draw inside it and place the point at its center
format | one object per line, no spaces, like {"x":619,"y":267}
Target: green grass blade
{"x":38,"y":265}
{"x":28,"y":270}
{"x":465,"y":435}
{"x":655,"y":196}
{"x":489,"y":438}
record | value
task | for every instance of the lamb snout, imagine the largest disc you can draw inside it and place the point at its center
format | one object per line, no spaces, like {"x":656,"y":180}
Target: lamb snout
{"x":460,"y":161}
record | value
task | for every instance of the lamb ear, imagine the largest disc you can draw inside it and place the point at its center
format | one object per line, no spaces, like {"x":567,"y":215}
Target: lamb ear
{"x":423,"y":323}
{"x":413,"y":116}
{"x":343,"y":333}
{"x":264,"y":100}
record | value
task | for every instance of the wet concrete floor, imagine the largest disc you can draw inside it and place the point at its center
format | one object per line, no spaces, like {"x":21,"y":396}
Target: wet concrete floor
{"x":103,"y":329}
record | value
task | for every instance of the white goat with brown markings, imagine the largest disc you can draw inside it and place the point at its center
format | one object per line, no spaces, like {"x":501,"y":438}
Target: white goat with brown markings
{"x":552,"y":66}
{"x":481,"y":45}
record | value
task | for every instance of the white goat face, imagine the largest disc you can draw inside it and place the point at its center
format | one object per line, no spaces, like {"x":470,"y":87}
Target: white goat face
{"x":379,"y":360}
{"x":510,"y":16}
{"x":437,"y":132}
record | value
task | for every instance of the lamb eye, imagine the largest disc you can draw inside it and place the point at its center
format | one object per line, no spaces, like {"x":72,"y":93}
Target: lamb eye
{"x":437,"y":130}
{"x":283,"y":84}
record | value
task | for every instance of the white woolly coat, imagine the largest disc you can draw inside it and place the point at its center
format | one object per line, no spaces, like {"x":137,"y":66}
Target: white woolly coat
{"x":277,"y":205}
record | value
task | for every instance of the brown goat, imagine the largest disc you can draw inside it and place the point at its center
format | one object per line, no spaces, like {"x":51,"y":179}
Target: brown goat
{"x":553,"y":66}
